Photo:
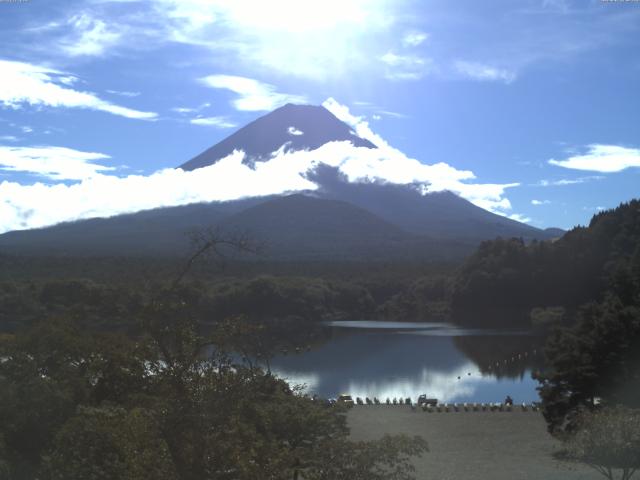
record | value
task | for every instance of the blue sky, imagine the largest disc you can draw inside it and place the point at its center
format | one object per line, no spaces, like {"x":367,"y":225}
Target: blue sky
{"x":528,"y":108}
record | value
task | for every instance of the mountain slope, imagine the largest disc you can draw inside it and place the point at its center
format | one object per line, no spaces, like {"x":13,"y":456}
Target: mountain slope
{"x":504,"y":280}
{"x":439,"y":214}
{"x":300,"y":127}
{"x":150,"y":232}
{"x":300,"y":226}
{"x":295,"y":227}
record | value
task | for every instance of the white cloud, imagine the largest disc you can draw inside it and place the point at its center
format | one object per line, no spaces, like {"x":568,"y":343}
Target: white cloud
{"x":31,"y":206}
{"x":484,"y":72}
{"x":359,"y":124}
{"x":124,"y":93}
{"x":253,"y":95}
{"x":184,"y":110}
{"x":378,"y":110}
{"x":591,"y":209}
{"x":406,"y":67}
{"x":218,"y":122}
{"x":392,"y":114}
{"x":413,"y":39}
{"x":25,"y":84}
{"x":375,"y":116}
{"x":8,"y":138}
{"x":294,"y":131}
{"x":394,"y":166}
{"x":519,"y":218}
{"x":99,"y":195}
{"x":90,"y":37}
{"x":57,"y":163}
{"x":602,"y":158}
{"x":540,"y":202}
{"x":564,"y":182}
{"x":68,"y":80}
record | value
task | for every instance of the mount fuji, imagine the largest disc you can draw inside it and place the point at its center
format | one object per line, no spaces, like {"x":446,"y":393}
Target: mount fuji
{"x":340,"y":219}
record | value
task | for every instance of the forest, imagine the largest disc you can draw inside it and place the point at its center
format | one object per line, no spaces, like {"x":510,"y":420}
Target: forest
{"x":138,"y":371}
{"x":508,"y":282}
{"x":107,"y":293}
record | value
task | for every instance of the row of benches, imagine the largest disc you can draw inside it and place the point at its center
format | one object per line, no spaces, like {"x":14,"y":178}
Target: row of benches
{"x":480,"y":407}
{"x":474,"y":407}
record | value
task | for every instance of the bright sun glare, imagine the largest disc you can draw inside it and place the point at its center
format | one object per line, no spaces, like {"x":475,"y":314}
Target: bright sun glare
{"x":297,"y":15}
{"x":309,"y":38}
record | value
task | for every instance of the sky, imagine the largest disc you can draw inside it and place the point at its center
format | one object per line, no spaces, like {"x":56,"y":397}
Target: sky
{"x":528,"y":108}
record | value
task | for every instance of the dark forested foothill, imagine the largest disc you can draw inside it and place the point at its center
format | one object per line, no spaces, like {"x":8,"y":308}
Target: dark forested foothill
{"x":508,"y":282}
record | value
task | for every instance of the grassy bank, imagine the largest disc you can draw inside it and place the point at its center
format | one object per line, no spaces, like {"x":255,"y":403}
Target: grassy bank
{"x":472,"y":446}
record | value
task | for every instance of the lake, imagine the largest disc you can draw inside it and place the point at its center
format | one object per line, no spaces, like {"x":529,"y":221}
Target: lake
{"x":396,"y":359}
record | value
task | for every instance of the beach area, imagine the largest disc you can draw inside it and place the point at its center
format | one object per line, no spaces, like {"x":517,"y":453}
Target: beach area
{"x":472,"y":445}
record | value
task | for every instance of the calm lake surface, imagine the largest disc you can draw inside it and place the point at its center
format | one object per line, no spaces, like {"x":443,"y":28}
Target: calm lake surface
{"x":394,"y":359}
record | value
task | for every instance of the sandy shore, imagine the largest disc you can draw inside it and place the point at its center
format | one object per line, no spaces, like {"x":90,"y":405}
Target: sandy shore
{"x":472,"y":445}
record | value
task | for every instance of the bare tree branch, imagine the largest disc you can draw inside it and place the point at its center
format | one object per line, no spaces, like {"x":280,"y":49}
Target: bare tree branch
{"x":208,"y":242}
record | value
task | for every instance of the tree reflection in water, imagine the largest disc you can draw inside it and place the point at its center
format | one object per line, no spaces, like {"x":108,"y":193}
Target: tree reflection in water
{"x":403,"y":361}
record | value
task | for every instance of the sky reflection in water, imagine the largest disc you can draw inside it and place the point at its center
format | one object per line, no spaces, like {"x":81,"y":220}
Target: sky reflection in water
{"x":387,"y":359}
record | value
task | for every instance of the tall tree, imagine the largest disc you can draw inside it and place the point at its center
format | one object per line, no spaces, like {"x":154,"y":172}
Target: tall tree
{"x":598,"y":360}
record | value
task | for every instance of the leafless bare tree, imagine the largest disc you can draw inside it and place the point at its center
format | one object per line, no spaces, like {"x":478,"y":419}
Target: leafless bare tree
{"x":210,"y":243}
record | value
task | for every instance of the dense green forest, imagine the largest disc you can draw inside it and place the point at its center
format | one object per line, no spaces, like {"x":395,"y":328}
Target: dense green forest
{"x":108,"y":293}
{"x":508,"y":282}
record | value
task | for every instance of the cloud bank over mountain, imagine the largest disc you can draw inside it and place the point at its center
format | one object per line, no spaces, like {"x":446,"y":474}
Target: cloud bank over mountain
{"x":101,"y":195}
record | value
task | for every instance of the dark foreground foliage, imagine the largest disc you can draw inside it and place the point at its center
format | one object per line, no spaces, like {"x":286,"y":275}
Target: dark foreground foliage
{"x":169,"y":404}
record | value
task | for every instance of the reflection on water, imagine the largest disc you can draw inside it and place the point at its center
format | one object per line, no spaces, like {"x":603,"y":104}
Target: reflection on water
{"x":431,"y":329}
{"x":386,"y":359}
